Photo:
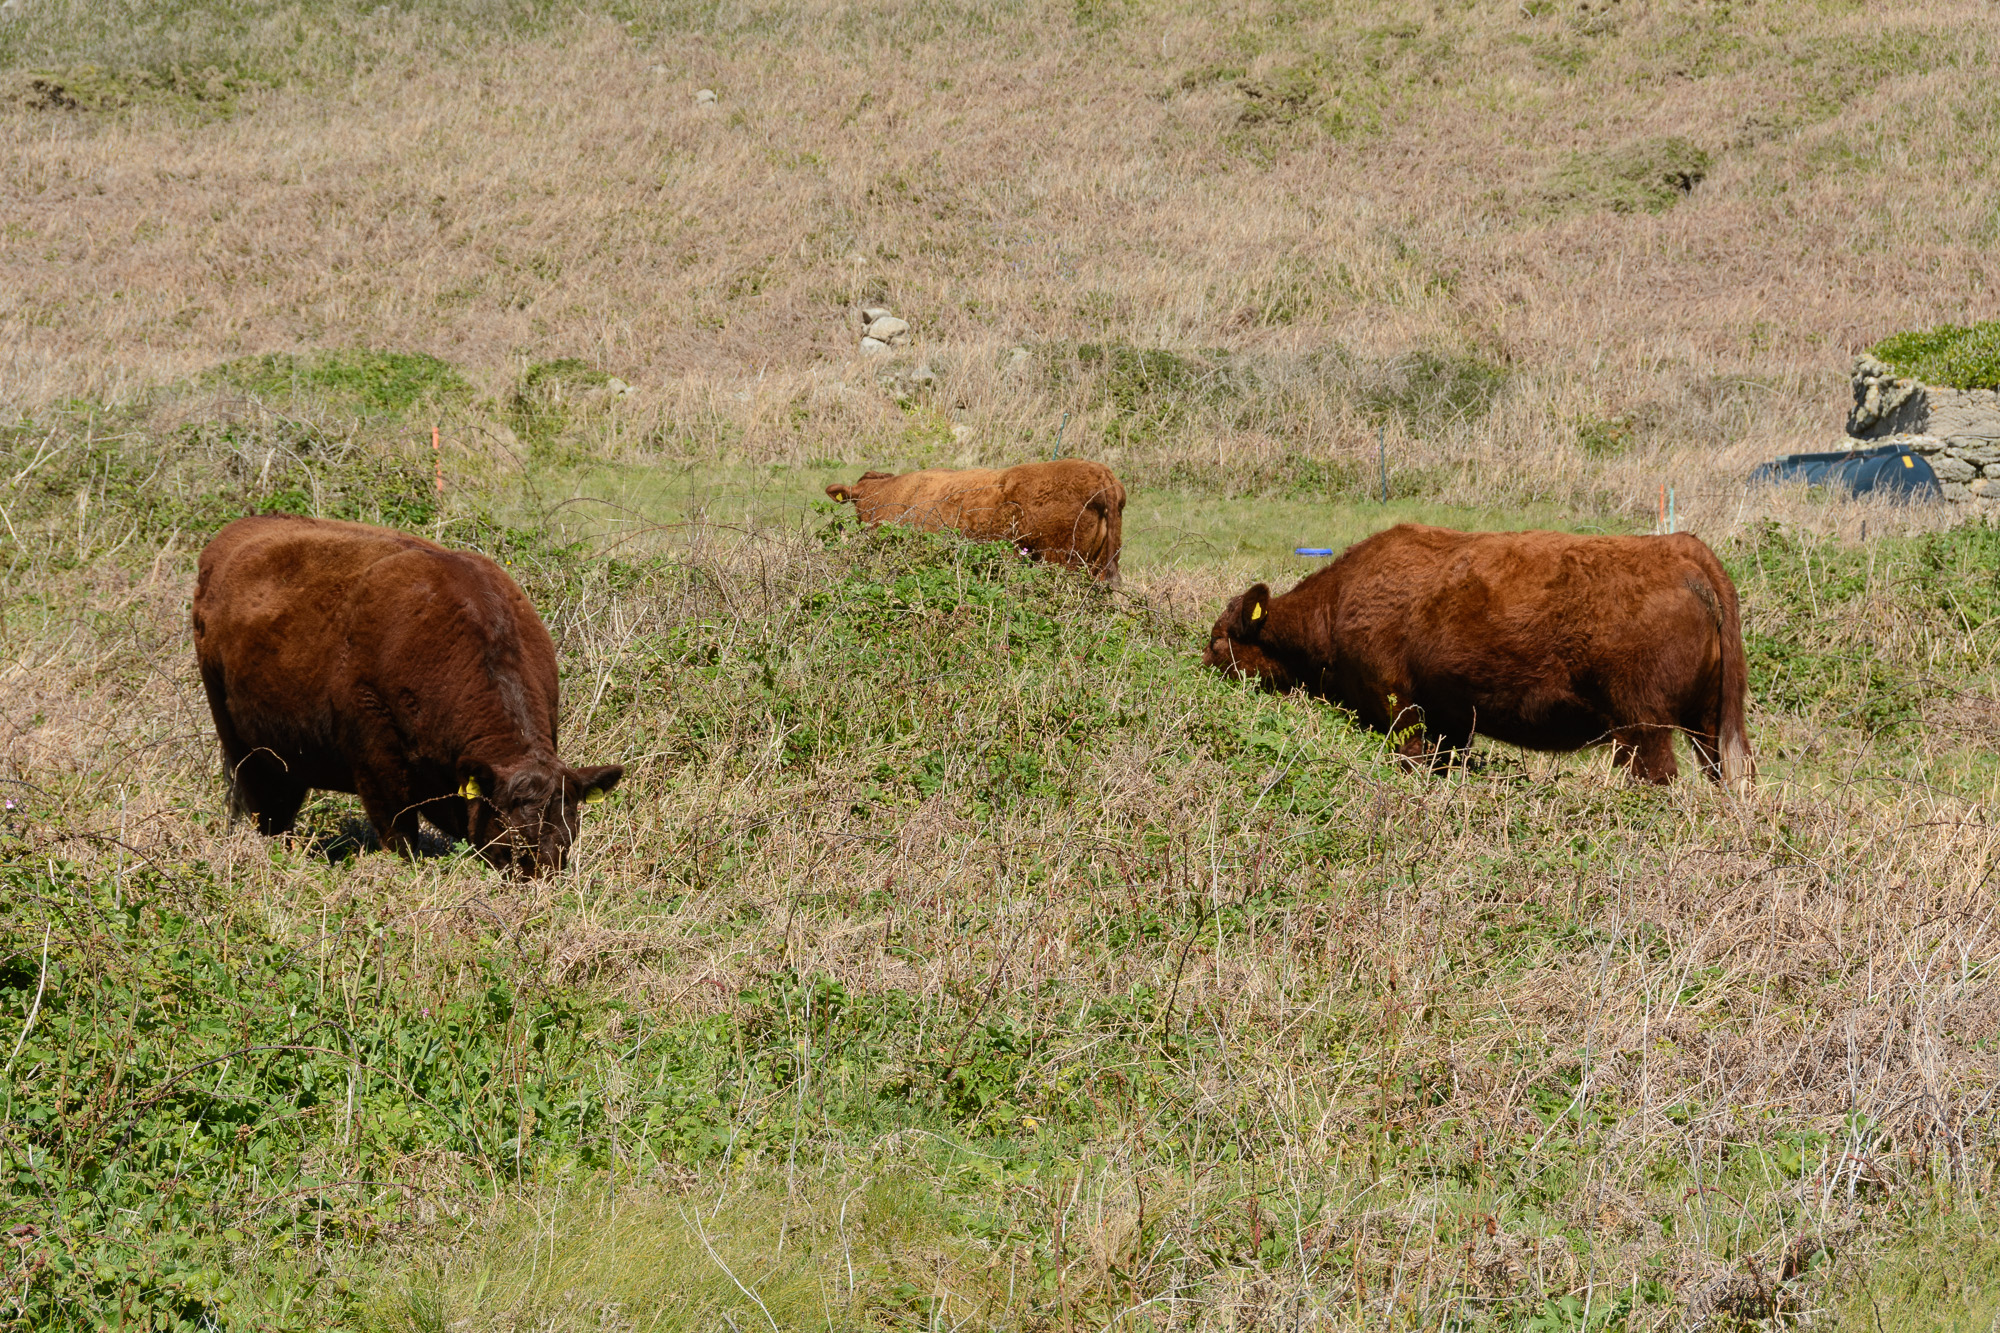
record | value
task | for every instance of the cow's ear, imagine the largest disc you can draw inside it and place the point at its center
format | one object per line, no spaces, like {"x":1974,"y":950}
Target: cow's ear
{"x":1251,"y":613}
{"x":598,"y":782}
{"x":837,"y":493}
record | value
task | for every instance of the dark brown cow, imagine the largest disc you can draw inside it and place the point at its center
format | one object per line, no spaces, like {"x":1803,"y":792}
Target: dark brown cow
{"x":1540,"y":639}
{"x":1071,"y":511}
{"x":361,"y":659}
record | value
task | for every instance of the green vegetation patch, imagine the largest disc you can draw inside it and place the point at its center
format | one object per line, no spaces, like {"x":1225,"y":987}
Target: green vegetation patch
{"x":1810,"y":629}
{"x":356,"y":383}
{"x":1431,"y":388}
{"x":553,"y":395}
{"x":89,"y":87}
{"x":1943,"y":1276}
{"x":1948,"y":356}
{"x":126,"y":485}
{"x":1606,"y":437}
{"x":1649,"y":176}
{"x":193,"y":1092}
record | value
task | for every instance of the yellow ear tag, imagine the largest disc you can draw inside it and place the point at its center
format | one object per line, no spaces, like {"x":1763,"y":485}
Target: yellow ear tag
{"x":1257,"y":611}
{"x":470,"y":791}
{"x":593,"y":796}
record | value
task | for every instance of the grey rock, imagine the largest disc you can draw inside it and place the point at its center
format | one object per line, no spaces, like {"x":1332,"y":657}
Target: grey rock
{"x":1883,"y":403}
{"x":871,"y":313}
{"x":706,"y":97}
{"x":1956,"y":491}
{"x":1017,"y":361}
{"x":1963,"y":412}
{"x":1985,"y":489}
{"x":888,"y":328}
{"x":1991,"y":469}
{"x":1951,"y":469}
{"x":874,"y":345}
{"x":904,"y":380}
{"x":1973,"y":450}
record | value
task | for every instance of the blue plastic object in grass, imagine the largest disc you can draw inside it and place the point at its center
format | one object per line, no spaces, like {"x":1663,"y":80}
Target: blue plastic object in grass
{"x":1891,"y":469}
{"x":1312,"y":550}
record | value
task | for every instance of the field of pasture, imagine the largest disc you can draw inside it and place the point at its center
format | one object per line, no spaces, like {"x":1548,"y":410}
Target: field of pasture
{"x":956,"y":953}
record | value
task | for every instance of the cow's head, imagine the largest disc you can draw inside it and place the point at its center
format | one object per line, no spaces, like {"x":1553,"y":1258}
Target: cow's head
{"x":1235,"y":645}
{"x":841,"y":493}
{"x":523,"y":819}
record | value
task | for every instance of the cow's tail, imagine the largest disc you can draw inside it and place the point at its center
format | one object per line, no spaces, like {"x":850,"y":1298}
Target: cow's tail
{"x":1732,"y":735}
{"x":1108,"y":506}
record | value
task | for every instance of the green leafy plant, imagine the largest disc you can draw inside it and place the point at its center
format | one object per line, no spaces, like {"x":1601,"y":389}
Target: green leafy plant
{"x":1948,"y":356}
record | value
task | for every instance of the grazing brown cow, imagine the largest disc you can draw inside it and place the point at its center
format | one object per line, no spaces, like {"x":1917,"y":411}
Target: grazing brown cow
{"x":361,"y":659}
{"x":1540,"y":639}
{"x":1070,"y":511}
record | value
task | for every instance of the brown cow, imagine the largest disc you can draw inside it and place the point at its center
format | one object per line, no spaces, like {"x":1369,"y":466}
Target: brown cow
{"x":361,"y":659}
{"x":1070,"y":511}
{"x":1541,"y":639}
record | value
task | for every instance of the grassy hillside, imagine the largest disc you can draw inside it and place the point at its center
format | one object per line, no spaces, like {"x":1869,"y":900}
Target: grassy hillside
{"x":957,"y":953}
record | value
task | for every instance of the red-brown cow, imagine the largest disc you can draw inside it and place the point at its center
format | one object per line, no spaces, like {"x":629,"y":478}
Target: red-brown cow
{"x":361,"y":659}
{"x":1541,"y":639}
{"x":1071,"y":510}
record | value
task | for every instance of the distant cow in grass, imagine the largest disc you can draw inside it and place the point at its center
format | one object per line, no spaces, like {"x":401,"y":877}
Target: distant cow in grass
{"x":360,"y":659}
{"x":1071,"y":511}
{"x":1541,"y":639}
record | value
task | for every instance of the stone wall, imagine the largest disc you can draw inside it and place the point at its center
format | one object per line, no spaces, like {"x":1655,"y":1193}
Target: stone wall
{"x":1956,"y":430}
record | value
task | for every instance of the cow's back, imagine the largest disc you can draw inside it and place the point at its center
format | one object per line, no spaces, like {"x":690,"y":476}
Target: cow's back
{"x":272,"y":597}
{"x":454,"y":651}
{"x":970,"y":500}
{"x":304,"y":628}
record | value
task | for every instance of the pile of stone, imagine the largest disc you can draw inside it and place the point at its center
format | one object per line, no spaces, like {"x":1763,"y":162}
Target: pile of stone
{"x":881,"y":330}
{"x":1957,"y":431}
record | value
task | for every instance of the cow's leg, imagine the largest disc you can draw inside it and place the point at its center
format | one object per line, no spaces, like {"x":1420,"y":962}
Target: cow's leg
{"x":1703,"y":726}
{"x":391,"y":809}
{"x":1708,"y":753}
{"x":261,"y":784}
{"x":1646,"y":751}
{"x":236,"y":756}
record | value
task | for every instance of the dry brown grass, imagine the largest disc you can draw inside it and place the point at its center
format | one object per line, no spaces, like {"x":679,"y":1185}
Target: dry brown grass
{"x":1035,"y":175}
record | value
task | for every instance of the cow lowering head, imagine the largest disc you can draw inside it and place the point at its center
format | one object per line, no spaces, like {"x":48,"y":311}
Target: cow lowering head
{"x":1235,"y":645}
{"x":525,"y":819}
{"x":841,"y":493}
